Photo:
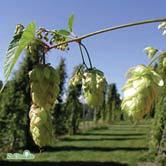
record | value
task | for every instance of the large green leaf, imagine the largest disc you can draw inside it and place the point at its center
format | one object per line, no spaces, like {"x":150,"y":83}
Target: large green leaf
{"x":64,"y":32}
{"x":70,"y":23}
{"x":16,"y":46}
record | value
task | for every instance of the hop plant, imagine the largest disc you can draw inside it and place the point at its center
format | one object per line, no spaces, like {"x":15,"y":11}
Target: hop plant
{"x":41,"y":126}
{"x":94,"y":87}
{"x":140,"y":91}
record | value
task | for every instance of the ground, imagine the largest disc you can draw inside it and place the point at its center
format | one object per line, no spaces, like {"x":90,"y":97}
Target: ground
{"x":115,"y":144}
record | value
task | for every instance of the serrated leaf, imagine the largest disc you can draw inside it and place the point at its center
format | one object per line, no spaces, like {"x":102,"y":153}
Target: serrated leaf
{"x":64,"y":32}
{"x":150,"y":51}
{"x":16,"y":47}
{"x":70,"y":23}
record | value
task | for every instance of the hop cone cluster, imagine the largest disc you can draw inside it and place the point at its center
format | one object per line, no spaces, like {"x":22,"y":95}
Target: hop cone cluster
{"x":94,"y":87}
{"x":140,"y":91}
{"x":41,"y":126}
{"x":44,"y":83}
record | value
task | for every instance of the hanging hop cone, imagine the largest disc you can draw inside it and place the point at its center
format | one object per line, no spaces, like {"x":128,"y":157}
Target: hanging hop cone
{"x":94,"y":87}
{"x":76,"y":79}
{"x":44,"y":81}
{"x":41,"y":126}
{"x":140,"y":91}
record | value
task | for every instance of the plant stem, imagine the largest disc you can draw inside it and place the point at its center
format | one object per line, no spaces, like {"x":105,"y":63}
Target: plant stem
{"x":78,"y":39}
{"x":87,"y":53}
{"x":83,"y":60}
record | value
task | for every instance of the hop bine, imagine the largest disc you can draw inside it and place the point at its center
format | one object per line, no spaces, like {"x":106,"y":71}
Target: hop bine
{"x":140,"y":91}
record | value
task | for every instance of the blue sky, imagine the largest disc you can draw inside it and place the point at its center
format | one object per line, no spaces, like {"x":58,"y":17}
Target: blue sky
{"x":112,"y":52}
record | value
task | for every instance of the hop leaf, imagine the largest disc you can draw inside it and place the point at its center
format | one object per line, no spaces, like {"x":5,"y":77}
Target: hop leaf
{"x":150,"y":51}
{"x":70,"y":23}
{"x":19,"y":42}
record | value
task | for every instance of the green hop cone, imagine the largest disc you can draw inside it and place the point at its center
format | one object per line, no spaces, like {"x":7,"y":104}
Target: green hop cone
{"x":140,"y":91}
{"x":94,"y":87}
{"x":44,"y":86}
{"x":76,"y":79}
{"x":41,"y":126}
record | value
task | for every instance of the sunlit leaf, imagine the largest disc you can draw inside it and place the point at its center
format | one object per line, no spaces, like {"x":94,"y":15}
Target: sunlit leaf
{"x":16,"y":46}
{"x":70,"y":23}
{"x":64,"y":32}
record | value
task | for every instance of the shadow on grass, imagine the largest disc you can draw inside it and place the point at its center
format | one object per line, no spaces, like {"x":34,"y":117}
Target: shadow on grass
{"x":69,"y":163}
{"x":101,"y":128}
{"x":100,"y":149}
{"x":128,"y":128}
{"x":109,"y":134}
{"x":101,"y":139}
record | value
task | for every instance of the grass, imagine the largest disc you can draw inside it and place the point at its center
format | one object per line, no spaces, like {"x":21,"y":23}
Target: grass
{"x":116,"y":144}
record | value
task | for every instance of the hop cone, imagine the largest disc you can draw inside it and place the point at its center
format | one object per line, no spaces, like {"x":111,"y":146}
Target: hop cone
{"x":76,"y":79}
{"x":94,"y":87}
{"x":41,"y":126}
{"x":140,"y":91}
{"x":44,"y":82}
{"x":44,"y":86}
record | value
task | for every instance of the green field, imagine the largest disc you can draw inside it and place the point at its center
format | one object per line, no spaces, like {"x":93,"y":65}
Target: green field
{"x":116,"y":144}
